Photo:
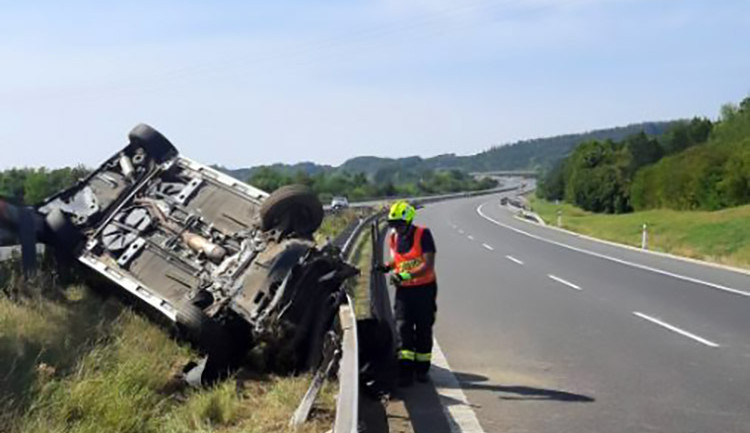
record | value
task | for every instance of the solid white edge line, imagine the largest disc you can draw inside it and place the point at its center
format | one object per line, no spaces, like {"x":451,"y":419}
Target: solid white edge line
{"x":514,"y":260}
{"x":613,"y":259}
{"x":456,"y":407}
{"x":561,"y":281}
{"x":638,"y":249}
{"x":488,"y":247}
{"x":676,"y":329}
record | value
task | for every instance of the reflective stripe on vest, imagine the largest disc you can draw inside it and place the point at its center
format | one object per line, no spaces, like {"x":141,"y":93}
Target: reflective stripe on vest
{"x":412,"y":259}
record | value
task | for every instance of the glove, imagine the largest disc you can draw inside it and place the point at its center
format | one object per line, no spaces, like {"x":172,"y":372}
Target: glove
{"x":404,"y":276}
{"x":398,"y":278}
{"x":383,"y":267}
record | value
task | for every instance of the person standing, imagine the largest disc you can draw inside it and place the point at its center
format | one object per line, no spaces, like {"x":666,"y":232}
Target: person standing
{"x":412,"y":271}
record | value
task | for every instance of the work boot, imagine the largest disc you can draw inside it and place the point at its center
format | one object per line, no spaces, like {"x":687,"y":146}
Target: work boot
{"x":405,"y":373}
{"x":405,"y":381}
{"x":423,"y":377}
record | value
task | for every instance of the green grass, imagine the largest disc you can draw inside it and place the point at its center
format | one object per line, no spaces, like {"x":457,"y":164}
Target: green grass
{"x":718,"y":236}
{"x":335,"y":223}
{"x":81,"y":363}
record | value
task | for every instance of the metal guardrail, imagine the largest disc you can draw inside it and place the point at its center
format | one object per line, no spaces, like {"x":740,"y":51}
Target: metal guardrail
{"x":347,"y":404}
{"x":430,"y":198}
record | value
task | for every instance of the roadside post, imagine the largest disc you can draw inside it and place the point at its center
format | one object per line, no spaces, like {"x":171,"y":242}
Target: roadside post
{"x":559,"y":218}
{"x":644,"y":238}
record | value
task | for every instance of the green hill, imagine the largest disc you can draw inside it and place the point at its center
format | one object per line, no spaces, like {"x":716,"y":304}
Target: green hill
{"x":540,"y":153}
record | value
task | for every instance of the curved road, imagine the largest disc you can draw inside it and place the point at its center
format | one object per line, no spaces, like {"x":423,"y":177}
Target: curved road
{"x":549,"y":332}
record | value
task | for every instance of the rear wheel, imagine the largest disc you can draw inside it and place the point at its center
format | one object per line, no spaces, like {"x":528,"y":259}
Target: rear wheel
{"x":292,"y":209}
{"x":152,"y":141}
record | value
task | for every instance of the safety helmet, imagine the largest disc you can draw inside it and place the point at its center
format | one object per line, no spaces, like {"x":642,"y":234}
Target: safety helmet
{"x":402,"y":211}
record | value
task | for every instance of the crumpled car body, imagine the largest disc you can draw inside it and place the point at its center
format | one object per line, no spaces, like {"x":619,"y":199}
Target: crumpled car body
{"x":227,"y":263}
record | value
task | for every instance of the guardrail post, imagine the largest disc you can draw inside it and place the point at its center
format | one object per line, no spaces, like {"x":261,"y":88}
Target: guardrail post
{"x":644,"y":237}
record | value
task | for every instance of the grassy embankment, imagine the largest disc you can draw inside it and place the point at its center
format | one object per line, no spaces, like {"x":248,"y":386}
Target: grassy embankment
{"x":719,"y":236}
{"x":72,"y":360}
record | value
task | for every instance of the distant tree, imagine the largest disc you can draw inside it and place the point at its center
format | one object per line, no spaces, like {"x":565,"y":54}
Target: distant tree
{"x":642,"y":150}
{"x":552,"y":184}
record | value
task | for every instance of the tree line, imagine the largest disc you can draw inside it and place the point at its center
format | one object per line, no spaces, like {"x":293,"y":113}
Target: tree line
{"x":358,"y":186}
{"x":696,"y":164}
{"x":32,"y":185}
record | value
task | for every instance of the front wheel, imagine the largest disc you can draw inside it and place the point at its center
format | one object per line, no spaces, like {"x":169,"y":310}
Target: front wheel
{"x":292,"y":209}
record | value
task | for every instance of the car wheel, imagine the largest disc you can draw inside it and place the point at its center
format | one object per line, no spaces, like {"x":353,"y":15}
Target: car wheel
{"x":210,"y":337}
{"x":292,"y":208}
{"x":201,"y":329}
{"x":152,"y":141}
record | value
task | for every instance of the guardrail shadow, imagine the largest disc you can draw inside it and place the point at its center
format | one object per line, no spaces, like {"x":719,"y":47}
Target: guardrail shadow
{"x":519,"y":392}
{"x":425,"y":406}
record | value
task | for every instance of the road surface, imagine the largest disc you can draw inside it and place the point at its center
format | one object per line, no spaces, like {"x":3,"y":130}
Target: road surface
{"x":548,"y":332}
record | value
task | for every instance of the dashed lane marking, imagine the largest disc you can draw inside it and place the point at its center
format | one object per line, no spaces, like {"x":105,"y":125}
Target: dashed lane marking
{"x":561,"y":281}
{"x":613,"y":259}
{"x":676,"y":329}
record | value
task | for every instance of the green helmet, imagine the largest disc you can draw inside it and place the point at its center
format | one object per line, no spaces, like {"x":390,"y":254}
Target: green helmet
{"x":402,"y":211}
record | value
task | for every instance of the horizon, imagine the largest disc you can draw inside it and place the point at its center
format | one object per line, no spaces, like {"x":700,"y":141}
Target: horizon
{"x":521,"y":141}
{"x":244,"y":84}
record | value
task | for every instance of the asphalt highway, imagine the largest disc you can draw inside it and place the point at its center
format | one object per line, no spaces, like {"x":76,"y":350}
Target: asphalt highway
{"x":549,"y":332}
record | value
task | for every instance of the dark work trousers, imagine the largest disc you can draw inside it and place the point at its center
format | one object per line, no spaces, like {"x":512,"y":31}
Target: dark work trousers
{"x":415,"y":314}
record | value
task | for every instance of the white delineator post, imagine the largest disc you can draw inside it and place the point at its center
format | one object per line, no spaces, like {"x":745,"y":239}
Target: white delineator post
{"x":644,"y":238}
{"x":559,"y":218}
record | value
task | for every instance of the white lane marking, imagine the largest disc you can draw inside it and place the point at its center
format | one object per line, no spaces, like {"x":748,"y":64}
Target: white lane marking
{"x":676,"y":329}
{"x":471,"y":238}
{"x":514,"y":260}
{"x":561,"y":281}
{"x":488,"y":247}
{"x":460,"y":231}
{"x":456,"y":407}
{"x":613,"y":259}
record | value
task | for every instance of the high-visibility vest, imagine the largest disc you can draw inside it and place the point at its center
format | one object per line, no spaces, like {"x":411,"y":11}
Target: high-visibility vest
{"x":412,"y":259}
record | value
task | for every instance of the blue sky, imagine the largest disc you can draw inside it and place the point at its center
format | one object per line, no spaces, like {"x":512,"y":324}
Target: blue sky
{"x":242,"y":83}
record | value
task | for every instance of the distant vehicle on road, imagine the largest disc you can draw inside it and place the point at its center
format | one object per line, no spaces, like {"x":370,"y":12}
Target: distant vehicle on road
{"x":339,"y":202}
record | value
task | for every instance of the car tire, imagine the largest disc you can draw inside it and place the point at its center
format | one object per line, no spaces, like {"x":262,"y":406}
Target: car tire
{"x":292,"y":208}
{"x":152,"y":141}
{"x":62,"y":233}
{"x":210,"y":337}
{"x":201,"y":329}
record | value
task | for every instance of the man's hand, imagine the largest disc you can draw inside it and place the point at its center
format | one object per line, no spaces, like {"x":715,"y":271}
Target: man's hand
{"x":383,"y":267}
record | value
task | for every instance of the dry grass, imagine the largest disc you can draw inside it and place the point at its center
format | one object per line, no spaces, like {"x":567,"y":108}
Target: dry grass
{"x":79,"y":363}
{"x":335,"y":222}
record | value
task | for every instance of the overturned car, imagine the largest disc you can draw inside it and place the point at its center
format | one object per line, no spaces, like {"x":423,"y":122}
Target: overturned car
{"x":227,"y":263}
